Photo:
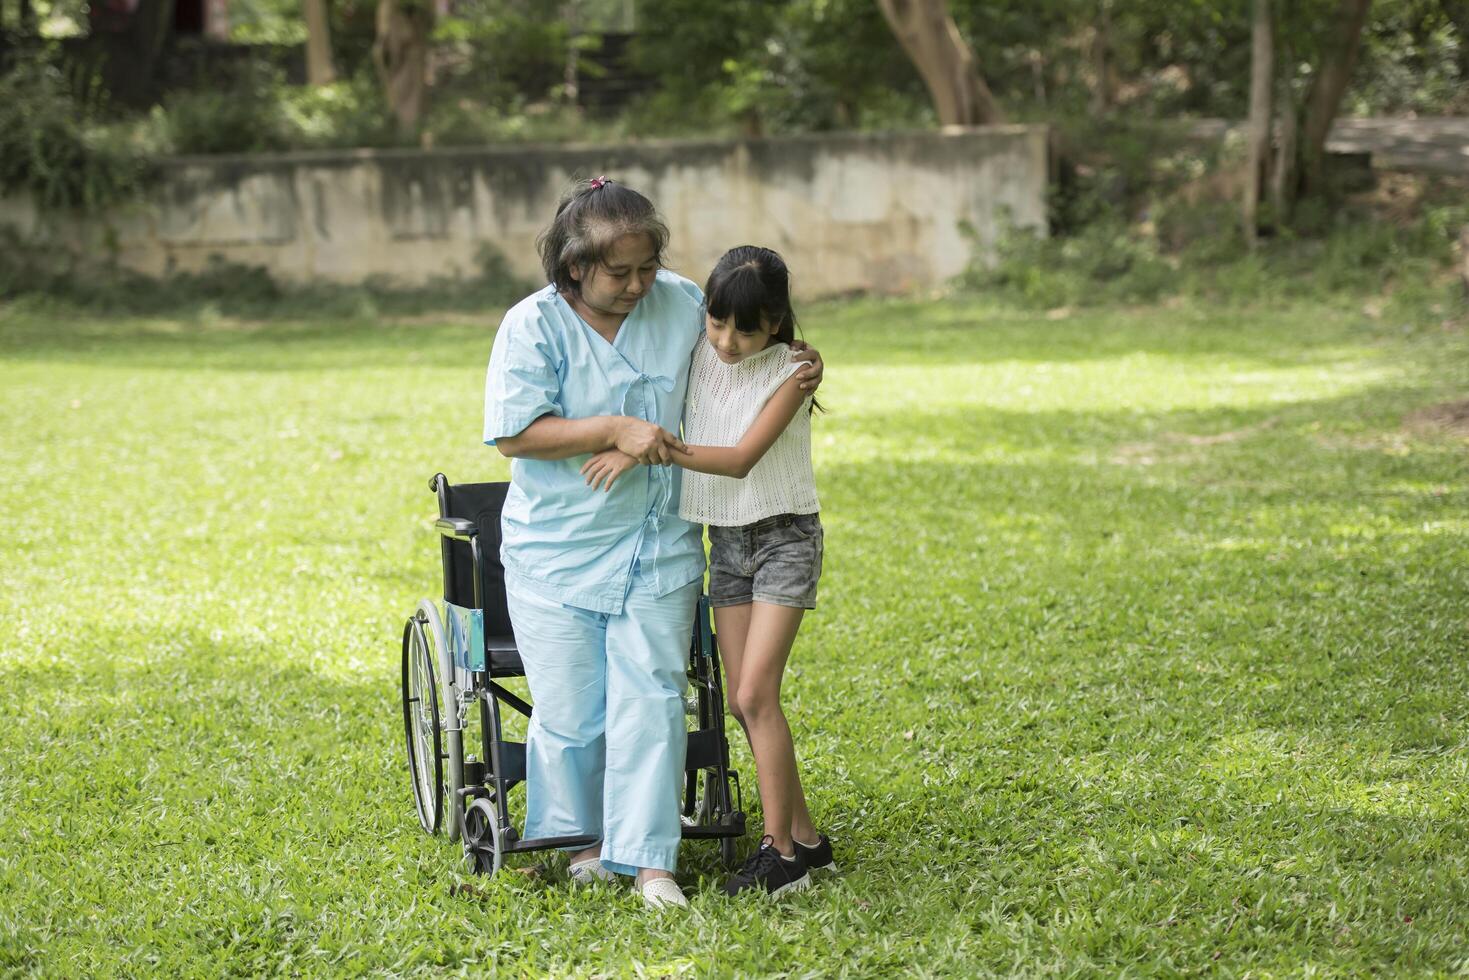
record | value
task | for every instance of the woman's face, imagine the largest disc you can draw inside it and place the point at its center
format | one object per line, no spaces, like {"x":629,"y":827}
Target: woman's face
{"x":731,"y":344}
{"x":614,"y":286}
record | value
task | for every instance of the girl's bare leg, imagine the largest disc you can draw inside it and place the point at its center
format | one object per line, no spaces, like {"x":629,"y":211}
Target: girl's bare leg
{"x":756,"y":641}
{"x":731,"y":624}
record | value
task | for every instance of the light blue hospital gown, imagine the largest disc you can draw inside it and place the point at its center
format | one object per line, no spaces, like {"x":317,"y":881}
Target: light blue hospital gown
{"x":601,"y":586}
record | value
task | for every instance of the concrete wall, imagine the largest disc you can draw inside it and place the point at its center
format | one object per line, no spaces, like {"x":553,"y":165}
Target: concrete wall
{"x":878,"y":212}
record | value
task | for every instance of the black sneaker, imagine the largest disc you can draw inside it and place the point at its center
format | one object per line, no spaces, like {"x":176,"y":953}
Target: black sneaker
{"x":768,"y":870}
{"x":818,"y":856}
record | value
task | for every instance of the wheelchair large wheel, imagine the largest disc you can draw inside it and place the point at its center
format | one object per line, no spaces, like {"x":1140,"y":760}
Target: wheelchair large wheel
{"x":484,"y":838}
{"x":422,"y":639}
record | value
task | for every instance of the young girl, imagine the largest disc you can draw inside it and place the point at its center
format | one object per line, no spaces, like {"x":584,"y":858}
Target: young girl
{"x":747,"y":426}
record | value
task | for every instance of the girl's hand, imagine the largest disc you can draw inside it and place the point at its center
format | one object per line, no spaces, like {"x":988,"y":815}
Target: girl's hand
{"x":607,"y":465}
{"x":647,"y":443}
{"x":810,"y":375}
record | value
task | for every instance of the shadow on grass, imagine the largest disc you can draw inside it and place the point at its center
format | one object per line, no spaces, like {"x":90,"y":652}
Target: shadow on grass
{"x":1271,"y":579}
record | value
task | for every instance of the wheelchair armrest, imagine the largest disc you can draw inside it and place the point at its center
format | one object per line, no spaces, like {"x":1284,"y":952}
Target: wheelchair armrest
{"x":457,"y":528}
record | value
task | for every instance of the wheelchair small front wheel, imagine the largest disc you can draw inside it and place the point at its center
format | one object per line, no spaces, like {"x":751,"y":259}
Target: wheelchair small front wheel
{"x":727,"y":854}
{"x":484,"y":838}
{"x":422,"y":639}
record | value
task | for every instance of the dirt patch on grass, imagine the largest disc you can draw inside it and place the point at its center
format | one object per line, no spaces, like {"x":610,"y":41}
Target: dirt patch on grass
{"x":1175,"y":446}
{"x":1451,"y":417}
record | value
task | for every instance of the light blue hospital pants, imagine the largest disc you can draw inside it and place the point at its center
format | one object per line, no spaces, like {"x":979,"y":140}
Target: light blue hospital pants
{"x":605,"y":753}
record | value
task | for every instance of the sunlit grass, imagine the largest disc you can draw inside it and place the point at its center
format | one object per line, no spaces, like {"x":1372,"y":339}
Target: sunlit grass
{"x":1141,"y":646}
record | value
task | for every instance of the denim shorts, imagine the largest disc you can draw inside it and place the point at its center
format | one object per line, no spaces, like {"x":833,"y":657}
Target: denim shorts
{"x":776,"y":560}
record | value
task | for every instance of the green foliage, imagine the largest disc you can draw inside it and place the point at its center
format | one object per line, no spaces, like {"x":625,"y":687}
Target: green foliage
{"x":1415,"y":58}
{"x":466,"y":122}
{"x":263,"y":114}
{"x":1106,"y":262}
{"x":494,"y":52}
{"x":1196,"y":249}
{"x":1120,"y":169}
{"x":1141,"y":635}
{"x":244,"y":118}
{"x":52,"y":149}
{"x":811,"y":65}
{"x":346,"y":113}
{"x":748,"y":66}
{"x":817,"y":64}
{"x":267,"y":22}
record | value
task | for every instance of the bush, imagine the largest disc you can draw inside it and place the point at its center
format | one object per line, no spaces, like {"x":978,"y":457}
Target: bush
{"x":1105,"y":262}
{"x":206,"y":122}
{"x":52,"y":149}
{"x":265,"y":114}
{"x":1196,"y":249}
{"x":245,"y":118}
{"x":347,"y":113}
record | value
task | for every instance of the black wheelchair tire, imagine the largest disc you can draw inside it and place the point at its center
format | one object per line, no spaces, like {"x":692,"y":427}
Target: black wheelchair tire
{"x":484,"y":839}
{"x":422,"y":725}
{"x":727,"y":855}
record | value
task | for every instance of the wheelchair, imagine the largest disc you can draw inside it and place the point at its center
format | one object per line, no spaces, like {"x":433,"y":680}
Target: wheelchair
{"x":454,"y":666}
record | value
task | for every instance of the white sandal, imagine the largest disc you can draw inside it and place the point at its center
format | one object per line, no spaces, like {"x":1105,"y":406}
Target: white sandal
{"x":589,"y":871}
{"x":658,"y":892}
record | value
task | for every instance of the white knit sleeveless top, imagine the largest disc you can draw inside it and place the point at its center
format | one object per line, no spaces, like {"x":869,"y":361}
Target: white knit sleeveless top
{"x":723,"y":401}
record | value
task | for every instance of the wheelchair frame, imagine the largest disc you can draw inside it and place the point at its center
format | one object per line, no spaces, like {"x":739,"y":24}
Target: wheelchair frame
{"x":440,"y":671}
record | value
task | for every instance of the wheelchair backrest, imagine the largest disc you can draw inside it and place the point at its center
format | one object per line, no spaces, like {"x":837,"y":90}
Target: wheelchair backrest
{"x":481,"y":503}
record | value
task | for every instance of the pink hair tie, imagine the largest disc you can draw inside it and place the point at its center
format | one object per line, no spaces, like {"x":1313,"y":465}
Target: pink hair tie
{"x":597,"y":182}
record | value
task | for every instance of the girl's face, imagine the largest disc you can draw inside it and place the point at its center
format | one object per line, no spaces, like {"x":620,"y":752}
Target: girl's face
{"x":613,"y":286}
{"x":733,"y":345}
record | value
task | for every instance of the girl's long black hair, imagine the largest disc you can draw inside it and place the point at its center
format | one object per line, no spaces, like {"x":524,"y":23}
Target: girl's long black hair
{"x":751,"y":284}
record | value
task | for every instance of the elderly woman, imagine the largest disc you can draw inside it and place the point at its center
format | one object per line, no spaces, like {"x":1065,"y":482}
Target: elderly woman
{"x":602,"y":586}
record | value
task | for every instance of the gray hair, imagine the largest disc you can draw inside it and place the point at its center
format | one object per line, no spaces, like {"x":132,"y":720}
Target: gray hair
{"x":589,"y":220}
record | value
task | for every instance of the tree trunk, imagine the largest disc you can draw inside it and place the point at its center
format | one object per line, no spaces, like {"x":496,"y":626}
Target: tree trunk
{"x":1038,"y":75}
{"x":320,"y":70}
{"x":1328,"y":88}
{"x":932,"y":41}
{"x":217,"y":20}
{"x":1262,"y":65}
{"x":1101,"y":60}
{"x":27,"y":17}
{"x":1464,"y":260}
{"x":400,"y":53}
{"x":134,"y":54}
{"x":570,"y":80}
{"x":1283,"y":170}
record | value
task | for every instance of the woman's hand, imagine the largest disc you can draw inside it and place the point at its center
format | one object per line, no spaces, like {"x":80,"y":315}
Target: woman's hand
{"x":810,"y":375}
{"x":646,"y":443}
{"x":607,"y":465}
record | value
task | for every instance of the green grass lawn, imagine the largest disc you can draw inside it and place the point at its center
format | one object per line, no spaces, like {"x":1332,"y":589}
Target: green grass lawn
{"x":1143,"y":647}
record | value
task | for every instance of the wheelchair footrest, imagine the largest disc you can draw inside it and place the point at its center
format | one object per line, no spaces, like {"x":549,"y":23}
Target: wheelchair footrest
{"x":712,"y":831}
{"x":548,"y":843}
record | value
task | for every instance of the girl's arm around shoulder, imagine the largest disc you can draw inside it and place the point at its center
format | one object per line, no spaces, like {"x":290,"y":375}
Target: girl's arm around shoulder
{"x":738,"y":460}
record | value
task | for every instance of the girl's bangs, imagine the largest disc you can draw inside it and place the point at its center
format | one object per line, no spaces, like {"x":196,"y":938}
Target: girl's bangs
{"x":741,"y":295}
